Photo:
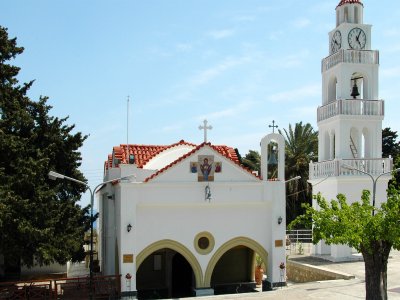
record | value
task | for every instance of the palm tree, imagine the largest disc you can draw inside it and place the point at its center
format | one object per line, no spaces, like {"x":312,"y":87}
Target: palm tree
{"x":301,"y":147}
{"x":252,"y":160}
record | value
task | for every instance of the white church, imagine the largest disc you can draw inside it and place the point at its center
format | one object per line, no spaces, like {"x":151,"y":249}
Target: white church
{"x":191,"y":219}
{"x":350,"y":119}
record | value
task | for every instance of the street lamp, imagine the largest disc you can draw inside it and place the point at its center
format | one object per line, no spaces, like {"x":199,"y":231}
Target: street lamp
{"x":54,"y":176}
{"x":374,"y":180}
{"x":292,"y":179}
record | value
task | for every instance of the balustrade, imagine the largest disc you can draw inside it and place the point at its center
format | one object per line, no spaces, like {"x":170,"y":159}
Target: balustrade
{"x":350,"y":56}
{"x":337,"y":167}
{"x":355,"y":107}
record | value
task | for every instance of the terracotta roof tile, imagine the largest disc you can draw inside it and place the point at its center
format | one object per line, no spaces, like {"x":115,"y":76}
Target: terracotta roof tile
{"x":343,"y":2}
{"x":144,"y":153}
{"x":226,"y":151}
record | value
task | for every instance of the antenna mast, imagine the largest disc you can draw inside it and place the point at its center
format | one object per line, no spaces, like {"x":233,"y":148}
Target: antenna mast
{"x":127,"y":121}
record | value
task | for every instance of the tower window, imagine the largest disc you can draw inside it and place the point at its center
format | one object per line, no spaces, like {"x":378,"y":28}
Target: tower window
{"x":337,"y":18}
{"x":356,"y":20}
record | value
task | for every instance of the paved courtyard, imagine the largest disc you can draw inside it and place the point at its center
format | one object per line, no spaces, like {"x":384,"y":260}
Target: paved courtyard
{"x":334,"y":289}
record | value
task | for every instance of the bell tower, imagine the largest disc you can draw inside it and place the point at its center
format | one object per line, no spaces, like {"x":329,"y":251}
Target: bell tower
{"x":350,"y":118}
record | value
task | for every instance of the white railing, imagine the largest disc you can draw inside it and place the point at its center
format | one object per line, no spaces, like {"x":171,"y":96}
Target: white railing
{"x":337,"y":167}
{"x":353,"y":107}
{"x":350,"y":56}
{"x":299,"y":242}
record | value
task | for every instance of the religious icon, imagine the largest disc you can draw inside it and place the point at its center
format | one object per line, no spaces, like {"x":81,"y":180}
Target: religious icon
{"x":206,"y":170}
{"x":218,"y":167}
{"x":193,"y":167}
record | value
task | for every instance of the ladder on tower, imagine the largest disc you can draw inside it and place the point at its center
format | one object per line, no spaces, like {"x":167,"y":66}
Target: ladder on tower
{"x":360,"y":163}
{"x":353,"y":148}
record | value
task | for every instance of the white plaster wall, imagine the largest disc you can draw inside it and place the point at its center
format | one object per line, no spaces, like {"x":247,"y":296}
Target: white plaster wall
{"x":342,"y":126}
{"x":168,"y":156}
{"x":173,"y":206}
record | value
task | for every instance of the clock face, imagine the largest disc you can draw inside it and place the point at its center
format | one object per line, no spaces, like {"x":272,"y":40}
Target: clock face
{"x":357,"y":39}
{"x":336,"y":42}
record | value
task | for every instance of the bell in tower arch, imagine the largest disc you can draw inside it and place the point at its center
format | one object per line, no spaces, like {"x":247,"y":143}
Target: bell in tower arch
{"x":272,"y":160}
{"x":354,"y":92}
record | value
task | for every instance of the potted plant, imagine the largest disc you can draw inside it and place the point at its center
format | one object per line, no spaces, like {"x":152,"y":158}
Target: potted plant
{"x":259,"y":272}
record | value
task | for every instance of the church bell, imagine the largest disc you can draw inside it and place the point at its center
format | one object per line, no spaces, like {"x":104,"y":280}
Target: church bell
{"x":355,"y":92}
{"x":273,"y":161}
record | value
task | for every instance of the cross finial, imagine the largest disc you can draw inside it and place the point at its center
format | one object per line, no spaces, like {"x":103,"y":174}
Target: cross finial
{"x":273,"y":126}
{"x":205,"y":128}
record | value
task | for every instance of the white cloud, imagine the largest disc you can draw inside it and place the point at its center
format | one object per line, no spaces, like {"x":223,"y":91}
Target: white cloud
{"x":183,"y":47}
{"x":297,"y":94}
{"x":391,"y":32}
{"x":391,"y":72}
{"x":294,"y":60}
{"x":301,"y":23}
{"x":245,"y":18}
{"x":221,"y":34}
{"x":205,"y":76}
{"x":171,"y":128}
{"x":238,"y":109}
{"x":275,"y":35}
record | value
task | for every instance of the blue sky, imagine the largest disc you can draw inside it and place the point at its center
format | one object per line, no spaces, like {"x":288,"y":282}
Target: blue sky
{"x":240,"y":64}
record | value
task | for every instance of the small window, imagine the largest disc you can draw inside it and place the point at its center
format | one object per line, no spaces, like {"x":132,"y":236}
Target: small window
{"x":356,"y":20}
{"x":337,"y":18}
{"x":204,"y":242}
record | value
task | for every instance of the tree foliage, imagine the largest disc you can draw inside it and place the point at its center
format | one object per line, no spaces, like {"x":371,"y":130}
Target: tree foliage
{"x":355,"y":225}
{"x":390,"y":145}
{"x":40,"y":220}
{"x":252,"y":160}
{"x":301,"y":147}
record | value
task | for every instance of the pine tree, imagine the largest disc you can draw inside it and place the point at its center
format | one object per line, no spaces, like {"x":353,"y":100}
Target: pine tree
{"x":40,"y":220}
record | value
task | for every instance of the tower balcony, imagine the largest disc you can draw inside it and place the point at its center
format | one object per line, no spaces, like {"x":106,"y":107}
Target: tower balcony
{"x":350,"y":56}
{"x":352,"y":107}
{"x":342,"y":167}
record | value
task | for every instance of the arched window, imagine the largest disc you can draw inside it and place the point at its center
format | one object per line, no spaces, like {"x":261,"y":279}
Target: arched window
{"x":332,"y":89}
{"x":337,"y":18}
{"x":356,"y":19}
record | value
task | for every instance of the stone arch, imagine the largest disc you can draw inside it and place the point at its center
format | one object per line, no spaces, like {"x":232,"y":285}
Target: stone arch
{"x":178,"y":247}
{"x":366,"y":143}
{"x":280,"y":141}
{"x":327,"y":146}
{"x":238,"y":241}
{"x":332,"y":89}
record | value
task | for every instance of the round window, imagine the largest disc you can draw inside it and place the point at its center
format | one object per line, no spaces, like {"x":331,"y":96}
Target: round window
{"x":204,"y":242}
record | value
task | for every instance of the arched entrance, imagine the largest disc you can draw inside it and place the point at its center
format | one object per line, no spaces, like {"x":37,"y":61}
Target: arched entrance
{"x":182,"y":277}
{"x":232,"y":267}
{"x":165,"y":273}
{"x":161,"y":265}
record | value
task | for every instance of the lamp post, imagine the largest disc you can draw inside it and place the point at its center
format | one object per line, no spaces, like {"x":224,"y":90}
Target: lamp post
{"x":54,"y":176}
{"x":292,"y":179}
{"x":374,"y":180}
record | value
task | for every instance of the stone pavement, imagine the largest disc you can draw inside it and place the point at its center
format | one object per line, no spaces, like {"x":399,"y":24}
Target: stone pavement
{"x":334,"y":289}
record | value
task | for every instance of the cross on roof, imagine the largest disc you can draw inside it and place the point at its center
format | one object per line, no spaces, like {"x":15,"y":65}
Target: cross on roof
{"x":273,"y":126}
{"x":205,"y":127}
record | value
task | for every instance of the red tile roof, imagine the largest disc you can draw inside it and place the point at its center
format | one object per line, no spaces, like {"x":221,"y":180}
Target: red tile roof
{"x":144,"y":153}
{"x":343,"y":2}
